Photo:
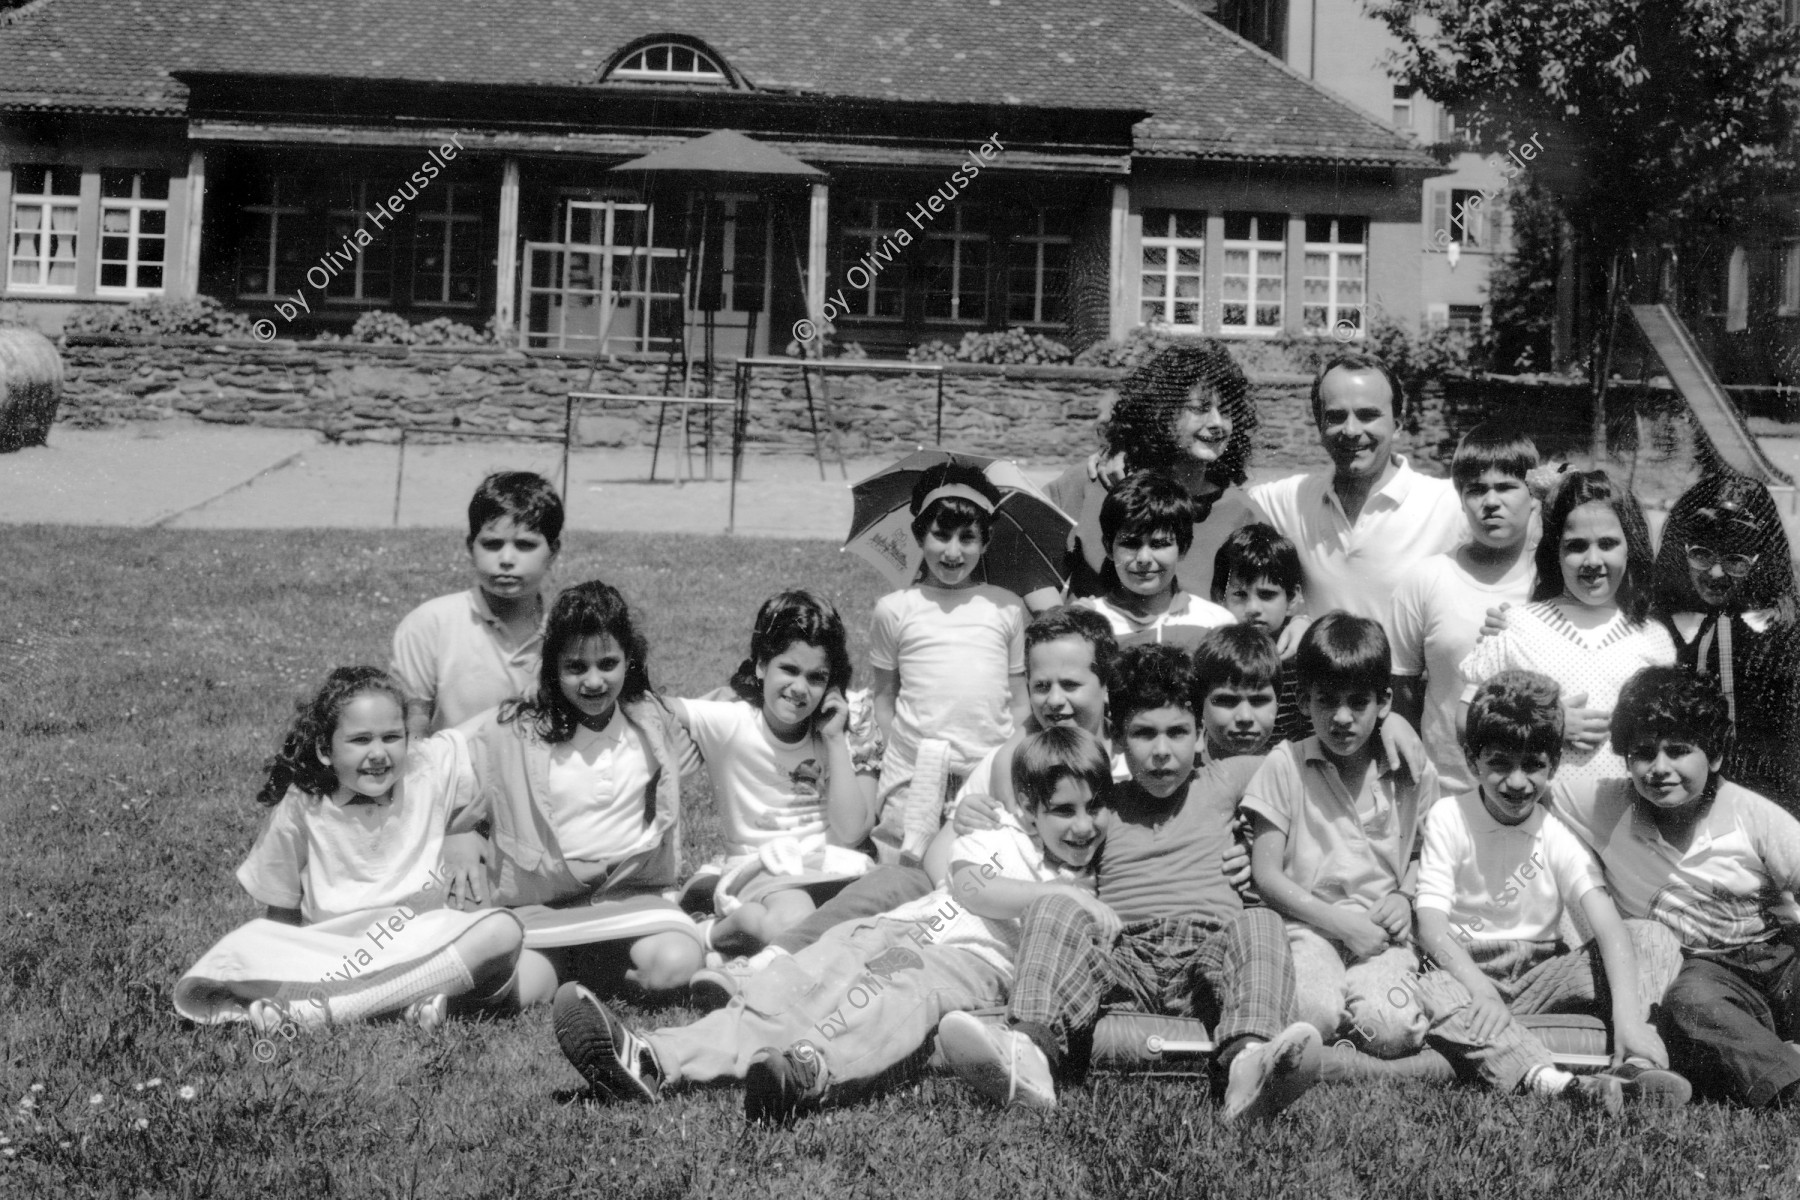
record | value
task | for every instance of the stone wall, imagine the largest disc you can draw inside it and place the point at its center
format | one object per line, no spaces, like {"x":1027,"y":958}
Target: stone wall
{"x":358,"y":392}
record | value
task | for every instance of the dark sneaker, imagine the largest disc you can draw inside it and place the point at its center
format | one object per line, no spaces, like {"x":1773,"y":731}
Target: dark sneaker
{"x":1602,"y":1093}
{"x":713,"y":987}
{"x":1651,"y":1085}
{"x":616,"y":1062}
{"x":779,"y":1085}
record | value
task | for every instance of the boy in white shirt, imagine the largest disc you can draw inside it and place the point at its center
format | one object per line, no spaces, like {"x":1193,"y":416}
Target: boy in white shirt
{"x":864,"y":999}
{"x":1496,"y":873}
{"x":1147,"y":526}
{"x":1439,"y":607}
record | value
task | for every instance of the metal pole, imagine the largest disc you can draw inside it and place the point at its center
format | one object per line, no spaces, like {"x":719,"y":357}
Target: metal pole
{"x":568,"y":436}
{"x":940,"y":407}
{"x":399,"y":476}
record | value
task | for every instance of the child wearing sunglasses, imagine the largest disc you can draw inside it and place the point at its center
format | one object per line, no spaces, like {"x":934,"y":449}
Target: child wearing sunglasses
{"x":1724,"y":585}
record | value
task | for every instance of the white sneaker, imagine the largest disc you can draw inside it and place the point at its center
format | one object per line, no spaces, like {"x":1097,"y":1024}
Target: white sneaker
{"x":1269,"y":1076}
{"x":428,"y":1014}
{"x":1001,"y":1064}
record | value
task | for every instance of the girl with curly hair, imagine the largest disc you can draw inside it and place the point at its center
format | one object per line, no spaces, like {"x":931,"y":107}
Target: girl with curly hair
{"x":1186,"y":412}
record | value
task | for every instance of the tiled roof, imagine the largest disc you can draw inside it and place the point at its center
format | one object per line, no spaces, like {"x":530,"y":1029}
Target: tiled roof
{"x":1212,"y":94}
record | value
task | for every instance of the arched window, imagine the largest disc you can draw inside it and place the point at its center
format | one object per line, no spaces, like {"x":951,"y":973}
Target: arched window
{"x":669,"y":62}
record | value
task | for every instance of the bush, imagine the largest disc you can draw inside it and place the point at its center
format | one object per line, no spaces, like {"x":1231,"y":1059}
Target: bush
{"x":1135,"y":348}
{"x":202,"y":316}
{"x":383,"y":328}
{"x":1012,"y":347}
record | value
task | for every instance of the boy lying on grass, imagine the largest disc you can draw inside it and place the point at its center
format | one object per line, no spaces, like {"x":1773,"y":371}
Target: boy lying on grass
{"x":864,"y":999}
{"x":1171,"y":936}
{"x":1495,"y":875}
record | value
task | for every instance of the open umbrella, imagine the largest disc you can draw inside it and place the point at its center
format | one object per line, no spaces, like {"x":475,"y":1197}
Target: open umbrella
{"x":1030,"y":535}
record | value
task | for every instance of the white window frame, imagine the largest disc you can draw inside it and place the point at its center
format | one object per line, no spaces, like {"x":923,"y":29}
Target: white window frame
{"x":47,"y":203}
{"x":356,"y":272}
{"x":275,"y":210}
{"x":635,"y":67}
{"x":1480,"y":236}
{"x":1171,"y":270}
{"x":1033,"y":243}
{"x":959,"y":237}
{"x":133,"y":206}
{"x":442,"y":227}
{"x":1790,"y":278}
{"x":639,"y":270}
{"x":1337,"y":253}
{"x":1403,"y":109}
{"x":1256,"y":247}
{"x":860,"y":239}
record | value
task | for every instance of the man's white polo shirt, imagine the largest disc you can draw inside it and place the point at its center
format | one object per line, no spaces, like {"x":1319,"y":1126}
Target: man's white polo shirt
{"x":1358,"y":567}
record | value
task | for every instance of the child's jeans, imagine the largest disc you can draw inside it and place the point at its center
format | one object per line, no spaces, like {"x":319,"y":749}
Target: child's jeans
{"x":1371,"y":1002}
{"x":1727,"y":1021}
{"x":881,"y":890}
{"x":869,"y":995}
{"x":1237,"y":977}
{"x":1535,"y":977}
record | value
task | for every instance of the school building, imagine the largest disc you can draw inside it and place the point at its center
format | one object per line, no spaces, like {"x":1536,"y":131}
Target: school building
{"x":913,"y":171}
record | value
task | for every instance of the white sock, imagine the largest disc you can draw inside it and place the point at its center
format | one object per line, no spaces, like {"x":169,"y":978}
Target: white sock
{"x":444,"y":971}
{"x":1547,"y":1081}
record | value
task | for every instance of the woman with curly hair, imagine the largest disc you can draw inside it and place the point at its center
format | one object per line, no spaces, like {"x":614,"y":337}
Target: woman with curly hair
{"x":1187,"y":413}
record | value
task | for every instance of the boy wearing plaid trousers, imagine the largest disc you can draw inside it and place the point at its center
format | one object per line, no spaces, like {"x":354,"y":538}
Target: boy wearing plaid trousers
{"x":1179,"y":940}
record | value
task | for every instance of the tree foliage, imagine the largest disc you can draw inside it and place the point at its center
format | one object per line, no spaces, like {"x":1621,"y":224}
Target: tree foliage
{"x":1651,"y":113}
{"x":1522,"y":283}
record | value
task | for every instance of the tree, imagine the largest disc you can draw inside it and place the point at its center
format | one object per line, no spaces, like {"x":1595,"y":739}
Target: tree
{"x":1653,"y":115}
{"x":1522,"y":283}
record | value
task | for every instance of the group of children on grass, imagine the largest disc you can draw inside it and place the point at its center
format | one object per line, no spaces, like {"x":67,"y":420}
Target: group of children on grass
{"x":1048,"y":814}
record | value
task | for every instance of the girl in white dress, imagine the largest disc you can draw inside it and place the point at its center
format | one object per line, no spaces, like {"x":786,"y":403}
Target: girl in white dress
{"x":1587,"y":625}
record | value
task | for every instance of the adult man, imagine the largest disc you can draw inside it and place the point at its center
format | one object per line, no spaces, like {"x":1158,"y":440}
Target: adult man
{"x":1364,"y":525}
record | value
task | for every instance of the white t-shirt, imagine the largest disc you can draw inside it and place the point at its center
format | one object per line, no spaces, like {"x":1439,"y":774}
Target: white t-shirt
{"x":1717,"y":894}
{"x":1540,"y":637}
{"x":765,"y":788}
{"x":1438,"y":613}
{"x":597,"y":783}
{"x":1357,"y":568}
{"x":943,"y":919}
{"x":328,"y":859}
{"x":1500,"y":882}
{"x":956,"y":651}
{"x":1185,"y":611}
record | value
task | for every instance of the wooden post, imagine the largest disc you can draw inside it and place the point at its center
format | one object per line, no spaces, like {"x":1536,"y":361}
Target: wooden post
{"x":506,"y":269}
{"x":188,"y":286}
{"x":1119,"y":320}
{"x":815,"y":253}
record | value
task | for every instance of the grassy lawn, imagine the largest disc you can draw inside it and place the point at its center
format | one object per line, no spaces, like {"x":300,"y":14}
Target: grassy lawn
{"x":145,"y":678}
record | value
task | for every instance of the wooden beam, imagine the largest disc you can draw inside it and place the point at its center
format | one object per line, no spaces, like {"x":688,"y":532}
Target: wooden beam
{"x":1117,"y":263}
{"x":816,"y":232}
{"x":506,"y":269}
{"x":188,"y":286}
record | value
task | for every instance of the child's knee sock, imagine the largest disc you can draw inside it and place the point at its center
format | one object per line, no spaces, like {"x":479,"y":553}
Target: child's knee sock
{"x":1546,"y":1081}
{"x":444,"y":971}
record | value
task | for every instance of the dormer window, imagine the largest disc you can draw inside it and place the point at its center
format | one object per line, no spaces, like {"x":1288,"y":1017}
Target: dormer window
{"x":669,"y":62}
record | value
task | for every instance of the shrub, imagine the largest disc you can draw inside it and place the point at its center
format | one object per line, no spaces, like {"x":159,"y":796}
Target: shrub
{"x":383,"y":328}
{"x":1014,"y":346}
{"x":201,"y":316}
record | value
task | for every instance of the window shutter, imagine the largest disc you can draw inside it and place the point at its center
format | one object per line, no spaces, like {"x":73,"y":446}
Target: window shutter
{"x":1440,"y":215}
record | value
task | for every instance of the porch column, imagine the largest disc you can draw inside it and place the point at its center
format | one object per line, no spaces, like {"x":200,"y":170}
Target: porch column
{"x":815,"y":251}
{"x":1118,"y":286}
{"x":506,"y":262}
{"x":188,"y":285}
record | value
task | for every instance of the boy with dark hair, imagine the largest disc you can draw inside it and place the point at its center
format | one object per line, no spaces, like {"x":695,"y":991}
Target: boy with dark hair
{"x":1173,"y":936}
{"x":1236,"y":670}
{"x":1703,"y":856}
{"x":1497,"y":872}
{"x":1147,"y":526}
{"x":1334,"y":834}
{"x":1257,"y":576}
{"x":459,"y":655}
{"x":862,"y":1002}
{"x":1438,"y":608}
